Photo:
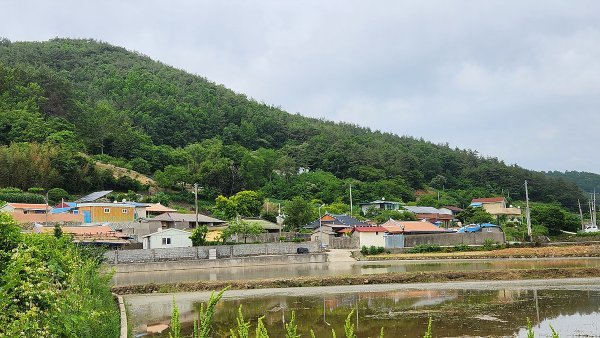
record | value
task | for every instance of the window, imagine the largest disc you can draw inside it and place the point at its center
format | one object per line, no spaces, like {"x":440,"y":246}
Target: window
{"x":75,"y":212}
{"x":376,"y":233}
{"x":166,"y":241}
{"x":107,"y":210}
{"x":124,"y":211}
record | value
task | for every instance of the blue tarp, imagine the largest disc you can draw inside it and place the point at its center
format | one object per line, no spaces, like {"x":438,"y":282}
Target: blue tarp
{"x":60,"y":210}
{"x":476,"y":227}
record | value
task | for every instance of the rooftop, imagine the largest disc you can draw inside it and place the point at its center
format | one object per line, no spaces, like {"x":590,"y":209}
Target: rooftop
{"x":29,"y":206}
{"x":488,"y":200}
{"x":394,"y":226}
{"x":177,"y":217}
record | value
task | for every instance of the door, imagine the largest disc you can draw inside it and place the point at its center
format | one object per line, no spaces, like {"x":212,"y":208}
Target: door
{"x":87,"y":217}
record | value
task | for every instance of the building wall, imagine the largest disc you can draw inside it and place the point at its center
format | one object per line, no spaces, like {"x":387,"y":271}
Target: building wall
{"x":178,"y":240}
{"x":115,"y":213}
{"x":370,"y":238}
{"x":52,"y":218}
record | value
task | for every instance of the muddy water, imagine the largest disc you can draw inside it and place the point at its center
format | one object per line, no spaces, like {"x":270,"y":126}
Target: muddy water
{"x":457,"y":310}
{"x":342,"y":268}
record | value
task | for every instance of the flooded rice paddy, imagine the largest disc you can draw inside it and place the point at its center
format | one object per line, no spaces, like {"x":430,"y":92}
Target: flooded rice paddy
{"x":466,"y":309}
{"x":343,"y":268}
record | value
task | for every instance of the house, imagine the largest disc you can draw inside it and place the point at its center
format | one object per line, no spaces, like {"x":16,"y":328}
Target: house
{"x":269,"y":227}
{"x":370,"y":236}
{"x":442,"y":216}
{"x":496,"y":206}
{"x":412,"y":227}
{"x":455,"y":210}
{"x":330,"y":225}
{"x":26,"y":213}
{"x":168,"y":238}
{"x":25,"y":208}
{"x":379,"y":204}
{"x":108,"y":212}
{"x":183,"y":221}
{"x":155,"y":209}
{"x":97,"y":235}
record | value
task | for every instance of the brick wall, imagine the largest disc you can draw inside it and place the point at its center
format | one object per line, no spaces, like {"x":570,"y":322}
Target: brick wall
{"x":201,"y":252}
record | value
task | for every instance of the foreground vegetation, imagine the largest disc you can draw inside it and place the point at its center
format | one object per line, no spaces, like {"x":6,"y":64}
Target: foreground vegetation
{"x":51,"y":288}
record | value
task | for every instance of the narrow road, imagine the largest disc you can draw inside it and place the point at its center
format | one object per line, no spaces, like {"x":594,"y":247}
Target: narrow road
{"x":340,"y":255}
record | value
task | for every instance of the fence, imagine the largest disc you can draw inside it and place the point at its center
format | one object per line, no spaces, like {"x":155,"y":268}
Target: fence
{"x":202,"y":252}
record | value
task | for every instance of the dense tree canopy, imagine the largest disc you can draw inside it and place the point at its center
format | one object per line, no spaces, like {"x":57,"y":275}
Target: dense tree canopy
{"x":65,"y":97}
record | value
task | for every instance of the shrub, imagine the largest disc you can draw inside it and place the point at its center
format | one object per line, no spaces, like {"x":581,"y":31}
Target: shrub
{"x":488,"y":244}
{"x":462,"y":247}
{"x":424,"y":248}
{"x":364,"y":250}
{"x":21,"y":197}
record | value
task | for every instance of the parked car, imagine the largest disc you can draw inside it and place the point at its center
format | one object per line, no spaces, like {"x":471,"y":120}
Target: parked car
{"x":591,"y":228}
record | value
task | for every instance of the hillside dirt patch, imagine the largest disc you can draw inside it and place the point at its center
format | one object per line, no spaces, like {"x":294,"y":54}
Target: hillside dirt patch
{"x":538,"y":252}
{"x":388,"y":278}
{"x":119,"y":172}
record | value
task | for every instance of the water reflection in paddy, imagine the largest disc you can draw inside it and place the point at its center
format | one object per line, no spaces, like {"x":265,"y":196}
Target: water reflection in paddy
{"x":342,"y":268}
{"x":404,"y":313}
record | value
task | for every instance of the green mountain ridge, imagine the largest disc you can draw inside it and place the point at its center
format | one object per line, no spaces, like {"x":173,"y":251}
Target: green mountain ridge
{"x":65,"y":95}
{"x":587,"y":181}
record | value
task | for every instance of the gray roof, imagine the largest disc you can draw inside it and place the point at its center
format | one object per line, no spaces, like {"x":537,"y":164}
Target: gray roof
{"x":267,"y":225}
{"x":422,"y":210}
{"x":341,"y":220}
{"x":93,"y":196}
{"x":177,"y":217}
{"x":380,"y":202}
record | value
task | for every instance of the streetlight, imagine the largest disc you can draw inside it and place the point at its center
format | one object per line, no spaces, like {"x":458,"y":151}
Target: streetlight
{"x":320,"y":225}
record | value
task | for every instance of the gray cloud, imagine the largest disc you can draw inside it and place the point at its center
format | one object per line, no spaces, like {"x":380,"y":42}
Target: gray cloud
{"x":516,"y":80}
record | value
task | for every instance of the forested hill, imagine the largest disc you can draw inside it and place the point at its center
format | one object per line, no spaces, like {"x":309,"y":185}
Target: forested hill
{"x":585,"y":180}
{"x":68,"y":96}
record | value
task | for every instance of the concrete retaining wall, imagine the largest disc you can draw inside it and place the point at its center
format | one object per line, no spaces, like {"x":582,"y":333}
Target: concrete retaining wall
{"x":201,"y":252}
{"x":221,"y":263}
{"x":477,"y":238}
{"x":344,"y":242}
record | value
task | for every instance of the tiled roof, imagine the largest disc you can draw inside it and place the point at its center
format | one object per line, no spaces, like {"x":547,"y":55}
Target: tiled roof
{"x":394,"y":226}
{"x":341,"y":220}
{"x":488,"y":200}
{"x":370,"y":229}
{"x":421,"y":210}
{"x":435,"y":216}
{"x":30,"y":206}
{"x":177,"y":217}
{"x":157,"y":207}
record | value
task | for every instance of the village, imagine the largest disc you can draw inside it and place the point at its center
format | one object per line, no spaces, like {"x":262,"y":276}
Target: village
{"x":94,"y":220}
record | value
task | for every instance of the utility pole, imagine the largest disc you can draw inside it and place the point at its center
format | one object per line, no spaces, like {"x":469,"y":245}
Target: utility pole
{"x":47,"y":207}
{"x":527,"y":212}
{"x":196,"y":201}
{"x":351,"y":200}
{"x":580,"y":214}
{"x":594,"y":209}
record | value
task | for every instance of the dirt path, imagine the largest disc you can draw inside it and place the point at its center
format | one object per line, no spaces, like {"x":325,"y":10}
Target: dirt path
{"x":385,"y":278}
{"x":340,"y":255}
{"x":592,"y":284}
{"x":554,"y":252}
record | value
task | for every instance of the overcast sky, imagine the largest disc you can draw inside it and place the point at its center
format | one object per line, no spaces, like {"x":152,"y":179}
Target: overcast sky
{"x":517,"y":80}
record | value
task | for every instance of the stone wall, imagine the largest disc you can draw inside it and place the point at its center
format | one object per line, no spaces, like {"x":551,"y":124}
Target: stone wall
{"x":476,"y":238}
{"x":202,"y":252}
{"x":213,"y":264}
{"x":344,"y":242}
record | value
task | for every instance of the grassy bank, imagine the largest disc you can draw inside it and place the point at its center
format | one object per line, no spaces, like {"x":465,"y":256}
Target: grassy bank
{"x":412,"y":277}
{"x":537,"y":252}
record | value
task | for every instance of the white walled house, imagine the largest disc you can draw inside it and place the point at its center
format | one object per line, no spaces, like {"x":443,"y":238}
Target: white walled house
{"x":370,"y":236}
{"x":168,"y":238}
